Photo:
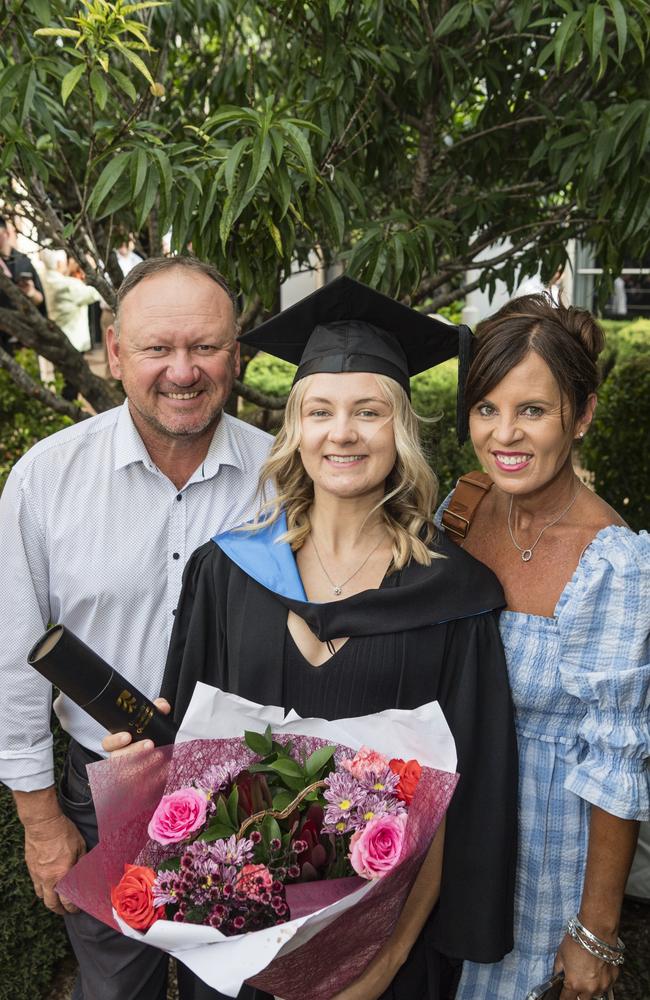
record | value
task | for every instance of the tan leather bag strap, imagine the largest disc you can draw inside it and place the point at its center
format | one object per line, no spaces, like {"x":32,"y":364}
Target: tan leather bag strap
{"x":469,"y":493}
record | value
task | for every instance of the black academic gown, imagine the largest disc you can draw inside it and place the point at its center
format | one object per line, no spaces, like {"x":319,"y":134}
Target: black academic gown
{"x":440,"y":623}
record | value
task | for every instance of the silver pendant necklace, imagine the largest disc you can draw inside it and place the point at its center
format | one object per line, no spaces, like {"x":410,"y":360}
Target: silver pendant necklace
{"x":337,"y":588}
{"x":527,"y":554}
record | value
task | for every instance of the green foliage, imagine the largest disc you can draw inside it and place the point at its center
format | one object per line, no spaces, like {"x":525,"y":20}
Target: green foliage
{"x":32,"y":940}
{"x":270,"y":375}
{"x":616,"y":448}
{"x":434,"y":397}
{"x":23,"y":421}
{"x":375,"y":132}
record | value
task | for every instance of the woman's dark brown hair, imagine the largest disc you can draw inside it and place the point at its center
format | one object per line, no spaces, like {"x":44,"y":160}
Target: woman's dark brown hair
{"x":569,"y":340}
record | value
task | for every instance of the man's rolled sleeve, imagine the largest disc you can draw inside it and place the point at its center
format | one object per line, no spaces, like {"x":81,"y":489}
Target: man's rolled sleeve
{"x":26,"y":762}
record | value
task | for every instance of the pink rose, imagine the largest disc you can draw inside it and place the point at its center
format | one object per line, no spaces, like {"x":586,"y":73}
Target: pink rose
{"x":178,"y":816}
{"x":364,"y":762}
{"x":375,"y":850}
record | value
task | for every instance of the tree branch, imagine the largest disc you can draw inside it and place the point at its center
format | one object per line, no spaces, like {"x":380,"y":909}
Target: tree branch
{"x":25,"y":322}
{"x":259,"y":398}
{"x":37,"y":391}
{"x":250,"y":314}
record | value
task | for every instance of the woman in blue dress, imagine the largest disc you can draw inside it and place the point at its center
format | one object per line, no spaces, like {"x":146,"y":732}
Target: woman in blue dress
{"x":576,"y":635}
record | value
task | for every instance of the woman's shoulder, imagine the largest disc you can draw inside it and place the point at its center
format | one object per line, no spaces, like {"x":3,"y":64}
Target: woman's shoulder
{"x":613,"y":573}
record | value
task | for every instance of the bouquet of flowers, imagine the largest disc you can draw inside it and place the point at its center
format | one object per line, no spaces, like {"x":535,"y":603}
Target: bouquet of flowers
{"x":255,"y":844}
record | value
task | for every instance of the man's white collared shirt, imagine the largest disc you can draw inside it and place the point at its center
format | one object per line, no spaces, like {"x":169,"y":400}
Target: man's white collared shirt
{"x":94,"y":536}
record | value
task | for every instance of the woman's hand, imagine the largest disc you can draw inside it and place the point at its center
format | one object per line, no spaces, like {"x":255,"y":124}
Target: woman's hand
{"x":375,"y":980}
{"x":585,"y":976}
{"x":118,"y":744}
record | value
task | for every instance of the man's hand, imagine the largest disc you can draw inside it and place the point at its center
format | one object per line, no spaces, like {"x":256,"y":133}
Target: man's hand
{"x":118,"y":744}
{"x":52,"y":844}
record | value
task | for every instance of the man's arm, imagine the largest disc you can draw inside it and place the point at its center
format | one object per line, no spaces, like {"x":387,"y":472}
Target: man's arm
{"x":52,"y":844}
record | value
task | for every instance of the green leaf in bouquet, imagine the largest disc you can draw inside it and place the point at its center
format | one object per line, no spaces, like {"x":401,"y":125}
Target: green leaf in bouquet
{"x":233,"y":805}
{"x":259,"y":742}
{"x":216,"y":831}
{"x":282,"y":799}
{"x":223,"y":816}
{"x":288,"y":768}
{"x":169,"y":865}
{"x":317,"y":760}
{"x":263,"y":766}
{"x":283,"y":750}
{"x":270,"y":830}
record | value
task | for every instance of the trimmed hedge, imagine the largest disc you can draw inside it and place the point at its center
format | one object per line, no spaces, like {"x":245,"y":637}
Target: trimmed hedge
{"x":23,"y":421}
{"x":616,"y":448}
{"x":32,"y":939}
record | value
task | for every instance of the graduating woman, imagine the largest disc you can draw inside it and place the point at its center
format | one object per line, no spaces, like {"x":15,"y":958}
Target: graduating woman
{"x":342,"y":599}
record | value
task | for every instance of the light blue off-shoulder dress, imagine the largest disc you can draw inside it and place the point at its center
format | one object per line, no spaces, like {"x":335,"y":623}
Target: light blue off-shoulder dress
{"x":581,"y":689}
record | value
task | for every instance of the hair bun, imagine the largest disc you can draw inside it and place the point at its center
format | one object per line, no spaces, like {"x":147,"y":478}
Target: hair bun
{"x":582,"y":325}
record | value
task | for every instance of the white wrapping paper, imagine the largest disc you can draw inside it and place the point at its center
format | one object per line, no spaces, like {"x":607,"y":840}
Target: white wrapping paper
{"x":225,"y":962}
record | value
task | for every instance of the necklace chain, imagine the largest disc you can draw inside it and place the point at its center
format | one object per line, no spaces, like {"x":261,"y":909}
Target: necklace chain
{"x":337,"y":588}
{"x":527,"y":554}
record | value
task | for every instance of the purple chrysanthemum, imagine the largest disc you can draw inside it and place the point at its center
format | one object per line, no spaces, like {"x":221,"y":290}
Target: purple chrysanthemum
{"x":384,"y":782}
{"x":219,"y":777}
{"x":166,"y":888}
{"x":335,"y":821}
{"x":375,"y":805}
{"x":232,"y":851}
{"x":343,"y":793}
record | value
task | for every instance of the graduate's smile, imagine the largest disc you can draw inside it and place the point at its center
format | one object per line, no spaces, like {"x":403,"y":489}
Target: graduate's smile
{"x":347,"y":441}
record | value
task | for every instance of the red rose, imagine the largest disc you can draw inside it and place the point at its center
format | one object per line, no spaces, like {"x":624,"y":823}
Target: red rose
{"x":409,"y":775}
{"x":132,"y":898}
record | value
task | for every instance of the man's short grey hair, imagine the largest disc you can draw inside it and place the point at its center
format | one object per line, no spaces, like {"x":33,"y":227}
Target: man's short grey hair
{"x":158,"y":265}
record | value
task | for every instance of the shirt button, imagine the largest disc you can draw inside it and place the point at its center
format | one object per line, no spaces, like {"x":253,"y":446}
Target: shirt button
{"x":174,"y":611}
{"x":176,"y":555}
{"x":179,"y":496}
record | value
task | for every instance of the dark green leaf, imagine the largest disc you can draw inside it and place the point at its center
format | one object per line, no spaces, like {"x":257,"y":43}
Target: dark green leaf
{"x":124,"y":83}
{"x":70,"y":81}
{"x":233,"y":805}
{"x":108,"y":178}
{"x":233,"y":161}
{"x":99,"y":88}
{"x":317,"y":760}
{"x":260,"y":743}
{"x":216,"y":831}
{"x":595,"y":29}
{"x":270,"y":830}
{"x":282,"y":799}
{"x":222,"y":815}
{"x":620,"y":20}
{"x":287,"y":768}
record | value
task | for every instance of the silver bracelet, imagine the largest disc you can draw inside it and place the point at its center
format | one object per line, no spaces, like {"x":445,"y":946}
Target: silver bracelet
{"x":611,"y":954}
{"x":617,"y":948}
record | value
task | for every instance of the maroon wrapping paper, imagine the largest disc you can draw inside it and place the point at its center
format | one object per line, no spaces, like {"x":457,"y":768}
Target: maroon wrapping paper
{"x":126,"y":791}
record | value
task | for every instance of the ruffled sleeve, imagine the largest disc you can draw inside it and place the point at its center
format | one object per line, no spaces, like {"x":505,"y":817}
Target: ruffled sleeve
{"x":604,"y":623}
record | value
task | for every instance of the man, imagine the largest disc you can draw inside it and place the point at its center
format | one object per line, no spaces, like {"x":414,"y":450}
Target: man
{"x":164,"y":472}
{"x":22,"y":272}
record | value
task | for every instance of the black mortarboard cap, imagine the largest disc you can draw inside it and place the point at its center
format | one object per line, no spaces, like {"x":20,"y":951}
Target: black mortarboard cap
{"x":348,"y":327}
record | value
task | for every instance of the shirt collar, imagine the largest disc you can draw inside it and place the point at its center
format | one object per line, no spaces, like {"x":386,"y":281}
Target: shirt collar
{"x":223,"y":450}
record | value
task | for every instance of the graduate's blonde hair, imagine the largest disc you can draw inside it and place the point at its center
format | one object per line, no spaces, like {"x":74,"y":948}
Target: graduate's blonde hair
{"x":411,"y":487}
